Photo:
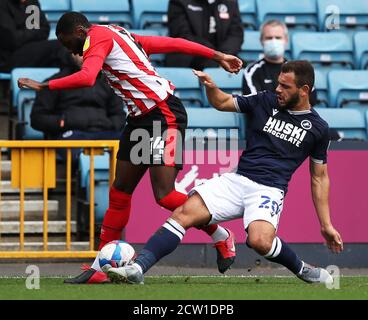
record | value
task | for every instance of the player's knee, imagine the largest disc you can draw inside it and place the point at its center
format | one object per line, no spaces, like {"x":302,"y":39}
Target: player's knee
{"x":260,"y":243}
{"x":182,"y":216}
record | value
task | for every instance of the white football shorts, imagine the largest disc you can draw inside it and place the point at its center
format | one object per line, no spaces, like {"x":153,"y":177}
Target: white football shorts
{"x":232,"y":196}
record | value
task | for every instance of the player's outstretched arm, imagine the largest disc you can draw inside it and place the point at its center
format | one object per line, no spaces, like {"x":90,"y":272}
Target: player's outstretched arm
{"x":220,"y":100}
{"x":320,"y":185}
{"x":86,"y":77}
{"x":32,"y":84}
{"x":158,"y":44}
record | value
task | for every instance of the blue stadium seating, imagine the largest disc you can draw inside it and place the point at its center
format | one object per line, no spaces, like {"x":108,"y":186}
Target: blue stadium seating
{"x":348,"y":86}
{"x":187,"y":85}
{"x":106,"y":11}
{"x":295,"y":14}
{"x":361,"y":49}
{"x":54,"y":9}
{"x":248,"y":14}
{"x":324,"y":49}
{"x":349,"y":122}
{"x":150,"y":14}
{"x":351,"y":14}
{"x":228,"y":82}
{"x":102,"y":174}
{"x":52,"y":34}
{"x":214,"y":124}
{"x":320,"y":85}
{"x":252,"y":50}
{"x":23,"y":99}
{"x":145,"y":32}
{"x":5,"y":76}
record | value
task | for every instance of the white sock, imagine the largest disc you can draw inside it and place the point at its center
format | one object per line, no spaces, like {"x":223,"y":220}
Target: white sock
{"x":300,"y":272}
{"x":220,"y":234}
{"x":138,"y":267}
{"x":96,"y":263}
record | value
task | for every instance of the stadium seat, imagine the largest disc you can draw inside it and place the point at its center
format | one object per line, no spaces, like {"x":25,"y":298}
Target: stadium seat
{"x":5,"y":76}
{"x":228,"y":82}
{"x":320,"y":85}
{"x":106,"y":11}
{"x":349,"y":15}
{"x":52,"y":34}
{"x":248,"y":11}
{"x":295,"y":14}
{"x":324,"y":49}
{"x":102,"y":186}
{"x":54,"y":9}
{"x":347,"y":88}
{"x":145,"y":32}
{"x":349,"y":122}
{"x":23,"y":99}
{"x":252,"y":50}
{"x":361,"y":50}
{"x":150,"y":14}
{"x":187,"y":85}
{"x":214,"y":124}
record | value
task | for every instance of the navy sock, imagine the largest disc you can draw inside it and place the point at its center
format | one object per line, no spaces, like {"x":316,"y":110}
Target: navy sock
{"x":163,"y":242}
{"x":281,"y":253}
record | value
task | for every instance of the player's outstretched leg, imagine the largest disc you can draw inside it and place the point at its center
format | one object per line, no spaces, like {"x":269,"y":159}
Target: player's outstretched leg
{"x":262,"y":239}
{"x":164,"y":241}
{"x":163,"y":184}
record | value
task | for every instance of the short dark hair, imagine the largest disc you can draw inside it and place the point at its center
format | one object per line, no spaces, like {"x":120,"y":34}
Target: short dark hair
{"x":69,"y":21}
{"x":303,"y":70}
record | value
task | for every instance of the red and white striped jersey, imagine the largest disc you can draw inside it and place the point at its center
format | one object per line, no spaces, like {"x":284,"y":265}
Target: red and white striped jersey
{"x":130,"y":72}
{"x":123,"y":58}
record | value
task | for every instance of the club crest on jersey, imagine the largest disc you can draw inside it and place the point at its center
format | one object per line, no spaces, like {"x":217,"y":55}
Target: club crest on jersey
{"x":286,"y":131}
{"x":306,"y":124}
{"x":87,"y":43}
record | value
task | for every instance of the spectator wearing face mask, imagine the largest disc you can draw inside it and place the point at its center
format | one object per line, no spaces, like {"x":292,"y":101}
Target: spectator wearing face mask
{"x":263,"y":74}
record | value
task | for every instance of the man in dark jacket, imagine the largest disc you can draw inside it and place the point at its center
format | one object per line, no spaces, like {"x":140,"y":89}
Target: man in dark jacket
{"x":213,"y":23}
{"x":24,"y":31}
{"x":94,"y":113}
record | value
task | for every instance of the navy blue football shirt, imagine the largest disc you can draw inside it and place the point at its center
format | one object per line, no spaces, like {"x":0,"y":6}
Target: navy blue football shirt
{"x":278,"y":141}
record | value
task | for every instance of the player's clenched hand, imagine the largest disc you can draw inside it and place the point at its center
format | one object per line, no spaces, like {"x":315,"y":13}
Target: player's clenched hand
{"x":30,"y":84}
{"x":205,"y":79}
{"x":333,"y":239}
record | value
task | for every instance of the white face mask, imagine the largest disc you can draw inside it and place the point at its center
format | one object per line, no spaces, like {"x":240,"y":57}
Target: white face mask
{"x":274,"y":48}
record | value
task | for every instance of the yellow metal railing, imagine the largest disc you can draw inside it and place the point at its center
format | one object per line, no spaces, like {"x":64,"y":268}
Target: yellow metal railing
{"x":34,"y":166}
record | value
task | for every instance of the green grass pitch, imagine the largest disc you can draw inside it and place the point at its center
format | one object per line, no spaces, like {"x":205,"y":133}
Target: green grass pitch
{"x":191,"y":288}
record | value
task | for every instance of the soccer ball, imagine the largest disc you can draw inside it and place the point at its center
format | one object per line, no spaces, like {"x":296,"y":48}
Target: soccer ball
{"x":116,"y":254}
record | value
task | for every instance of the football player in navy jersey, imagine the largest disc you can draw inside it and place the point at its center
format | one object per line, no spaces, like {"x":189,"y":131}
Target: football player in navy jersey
{"x":283,"y":130}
